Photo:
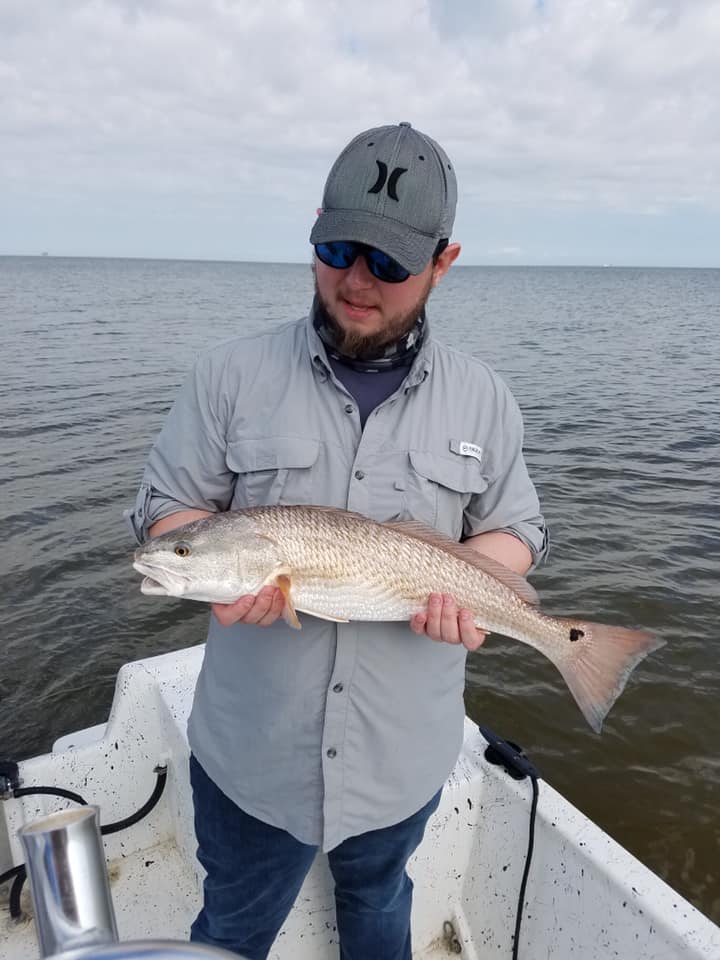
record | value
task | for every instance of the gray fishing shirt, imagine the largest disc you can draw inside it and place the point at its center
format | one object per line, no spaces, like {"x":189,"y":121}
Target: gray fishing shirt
{"x":341,"y":728}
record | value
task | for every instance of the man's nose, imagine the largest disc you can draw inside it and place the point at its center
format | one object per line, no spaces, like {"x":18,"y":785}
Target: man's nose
{"x":358,"y":275}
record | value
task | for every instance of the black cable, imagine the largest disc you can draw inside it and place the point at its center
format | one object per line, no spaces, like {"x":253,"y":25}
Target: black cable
{"x":50,"y":792}
{"x":510,"y":756}
{"x":144,"y":809}
{"x":9,"y":874}
{"x":526,"y":871}
{"x":16,"y":891}
{"x":19,"y":872}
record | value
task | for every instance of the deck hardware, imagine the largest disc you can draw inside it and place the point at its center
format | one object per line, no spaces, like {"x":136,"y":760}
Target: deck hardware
{"x":9,"y":779}
{"x":18,"y":874}
{"x":512,"y":758}
{"x":69,"y":881}
{"x":450,"y":938}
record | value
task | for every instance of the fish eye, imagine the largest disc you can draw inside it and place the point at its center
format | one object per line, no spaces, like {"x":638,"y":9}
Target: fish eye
{"x":182,"y":550}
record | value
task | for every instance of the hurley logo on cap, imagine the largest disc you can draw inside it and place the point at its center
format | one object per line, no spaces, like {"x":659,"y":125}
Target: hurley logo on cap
{"x":392,"y":182}
{"x":392,"y":188}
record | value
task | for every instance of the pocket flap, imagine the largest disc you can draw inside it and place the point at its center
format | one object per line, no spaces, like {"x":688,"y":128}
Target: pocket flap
{"x":462,"y":474}
{"x":272,"y":453}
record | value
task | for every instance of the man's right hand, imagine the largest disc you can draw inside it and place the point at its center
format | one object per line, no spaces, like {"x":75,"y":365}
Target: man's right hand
{"x":260,"y":610}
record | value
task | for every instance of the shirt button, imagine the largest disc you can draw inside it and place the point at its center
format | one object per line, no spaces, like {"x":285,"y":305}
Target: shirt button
{"x":332,"y":752}
{"x":349,"y":408}
{"x":338,"y":688}
{"x":359,"y":474}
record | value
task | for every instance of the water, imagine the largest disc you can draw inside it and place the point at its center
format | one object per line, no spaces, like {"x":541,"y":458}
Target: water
{"x":618,"y":375}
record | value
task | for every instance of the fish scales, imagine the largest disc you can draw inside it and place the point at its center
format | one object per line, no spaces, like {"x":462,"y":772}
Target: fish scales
{"x":391,"y":568}
{"x":341,"y":566}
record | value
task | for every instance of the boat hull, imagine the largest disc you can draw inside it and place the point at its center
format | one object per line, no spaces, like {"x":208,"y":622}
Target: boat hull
{"x":586,"y":897}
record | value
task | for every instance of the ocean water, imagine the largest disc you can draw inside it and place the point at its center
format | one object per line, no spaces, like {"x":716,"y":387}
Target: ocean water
{"x":618,"y":375}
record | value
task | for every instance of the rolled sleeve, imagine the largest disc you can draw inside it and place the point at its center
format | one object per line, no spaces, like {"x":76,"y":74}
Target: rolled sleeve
{"x":187,"y":466}
{"x":510,"y":503}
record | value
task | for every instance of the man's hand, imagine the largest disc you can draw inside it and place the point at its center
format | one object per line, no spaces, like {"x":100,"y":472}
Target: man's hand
{"x":260,"y":610}
{"x":442,"y":621}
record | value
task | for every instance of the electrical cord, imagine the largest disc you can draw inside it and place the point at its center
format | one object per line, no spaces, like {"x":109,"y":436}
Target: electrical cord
{"x":511,"y":757}
{"x":499,"y":752}
{"x":18,"y":873}
{"x":50,"y":792}
{"x":144,"y":810}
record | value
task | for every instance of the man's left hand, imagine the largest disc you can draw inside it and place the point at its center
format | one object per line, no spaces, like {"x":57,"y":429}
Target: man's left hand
{"x":442,"y":621}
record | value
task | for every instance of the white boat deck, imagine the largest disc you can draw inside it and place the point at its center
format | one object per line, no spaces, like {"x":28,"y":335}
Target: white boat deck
{"x":587,"y":897}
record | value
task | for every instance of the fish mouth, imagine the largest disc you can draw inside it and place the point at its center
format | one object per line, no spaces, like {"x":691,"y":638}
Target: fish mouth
{"x":153,"y":588}
{"x":160,"y":583}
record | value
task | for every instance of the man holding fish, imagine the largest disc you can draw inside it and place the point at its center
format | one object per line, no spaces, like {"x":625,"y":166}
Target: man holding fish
{"x":340,"y":737}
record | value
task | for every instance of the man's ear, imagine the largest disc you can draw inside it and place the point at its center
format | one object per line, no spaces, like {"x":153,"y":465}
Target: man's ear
{"x":446,"y":258}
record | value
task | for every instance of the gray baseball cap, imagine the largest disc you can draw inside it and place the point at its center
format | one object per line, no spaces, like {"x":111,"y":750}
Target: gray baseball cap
{"x":392,"y":188}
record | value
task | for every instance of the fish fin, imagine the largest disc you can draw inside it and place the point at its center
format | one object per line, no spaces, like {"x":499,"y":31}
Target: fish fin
{"x":323,"y":616}
{"x":283,"y":582}
{"x":597,"y":664}
{"x":282,"y":579}
{"x":514,"y":581}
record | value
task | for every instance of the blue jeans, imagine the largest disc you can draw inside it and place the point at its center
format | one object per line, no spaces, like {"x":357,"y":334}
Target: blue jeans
{"x":255,"y":871}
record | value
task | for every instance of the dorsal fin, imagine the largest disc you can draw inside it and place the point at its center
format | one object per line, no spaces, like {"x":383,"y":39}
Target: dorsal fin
{"x":509,"y":578}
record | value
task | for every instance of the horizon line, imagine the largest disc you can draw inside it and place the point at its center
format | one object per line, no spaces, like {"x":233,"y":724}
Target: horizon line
{"x":297,"y":263}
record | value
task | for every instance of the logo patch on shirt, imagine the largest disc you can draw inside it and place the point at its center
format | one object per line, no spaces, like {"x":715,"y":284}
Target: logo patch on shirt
{"x":467,"y":449}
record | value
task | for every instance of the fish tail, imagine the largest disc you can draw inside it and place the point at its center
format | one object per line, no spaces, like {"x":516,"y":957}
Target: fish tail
{"x":601,"y":660}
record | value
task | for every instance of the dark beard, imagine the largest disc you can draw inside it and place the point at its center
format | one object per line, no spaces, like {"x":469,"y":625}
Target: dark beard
{"x":370,"y":347}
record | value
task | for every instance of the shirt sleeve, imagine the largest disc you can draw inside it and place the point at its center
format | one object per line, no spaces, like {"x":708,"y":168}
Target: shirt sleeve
{"x":510,"y":504}
{"x":187,"y":466}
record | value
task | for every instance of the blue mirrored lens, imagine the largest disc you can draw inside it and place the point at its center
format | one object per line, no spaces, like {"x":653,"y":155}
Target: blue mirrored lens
{"x":342,"y":254}
{"x":338,"y":254}
{"x":385,"y":268}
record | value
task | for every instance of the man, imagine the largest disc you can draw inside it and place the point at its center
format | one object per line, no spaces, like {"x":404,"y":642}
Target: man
{"x":340,"y":737}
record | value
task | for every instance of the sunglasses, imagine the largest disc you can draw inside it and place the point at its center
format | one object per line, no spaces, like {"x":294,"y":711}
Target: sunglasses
{"x":342,"y":254}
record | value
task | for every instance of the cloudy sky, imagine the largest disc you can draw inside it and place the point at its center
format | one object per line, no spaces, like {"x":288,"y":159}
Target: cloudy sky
{"x":582,"y":131}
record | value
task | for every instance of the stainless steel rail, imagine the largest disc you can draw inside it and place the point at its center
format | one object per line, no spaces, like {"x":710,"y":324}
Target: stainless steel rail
{"x":74,"y":913}
{"x":65,"y":861}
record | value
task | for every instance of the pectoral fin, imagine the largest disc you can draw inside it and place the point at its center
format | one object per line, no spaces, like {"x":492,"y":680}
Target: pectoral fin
{"x":284,"y":583}
{"x":282,"y":579}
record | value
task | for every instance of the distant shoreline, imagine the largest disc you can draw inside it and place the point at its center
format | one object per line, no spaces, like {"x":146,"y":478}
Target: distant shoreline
{"x":304,"y":265}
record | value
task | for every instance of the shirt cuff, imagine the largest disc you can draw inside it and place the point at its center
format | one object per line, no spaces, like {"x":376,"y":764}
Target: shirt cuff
{"x":150,"y":506}
{"x":535,"y":538}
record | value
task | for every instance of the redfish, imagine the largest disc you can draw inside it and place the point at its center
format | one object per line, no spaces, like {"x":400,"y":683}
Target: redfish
{"x":340,"y":566}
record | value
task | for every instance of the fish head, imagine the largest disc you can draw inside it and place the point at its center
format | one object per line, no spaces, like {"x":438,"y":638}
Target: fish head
{"x":216,"y":560}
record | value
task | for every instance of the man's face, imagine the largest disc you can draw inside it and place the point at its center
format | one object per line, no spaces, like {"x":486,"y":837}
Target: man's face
{"x":367,"y":313}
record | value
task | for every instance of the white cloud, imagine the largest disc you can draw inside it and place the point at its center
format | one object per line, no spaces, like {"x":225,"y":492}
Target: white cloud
{"x":573,"y":105}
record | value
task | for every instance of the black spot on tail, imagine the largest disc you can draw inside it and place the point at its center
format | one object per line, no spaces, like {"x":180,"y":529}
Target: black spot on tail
{"x":575,"y":634}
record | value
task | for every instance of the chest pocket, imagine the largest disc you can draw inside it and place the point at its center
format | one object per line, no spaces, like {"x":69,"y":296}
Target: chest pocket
{"x":437,"y":489}
{"x":272,"y":470}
